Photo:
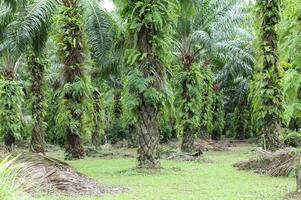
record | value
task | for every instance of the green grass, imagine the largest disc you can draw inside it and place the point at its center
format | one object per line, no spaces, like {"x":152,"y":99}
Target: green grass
{"x":185,"y":180}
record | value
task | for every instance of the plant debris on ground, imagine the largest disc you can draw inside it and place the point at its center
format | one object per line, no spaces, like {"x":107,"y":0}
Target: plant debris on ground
{"x":280,"y":163}
{"x":49,"y":175}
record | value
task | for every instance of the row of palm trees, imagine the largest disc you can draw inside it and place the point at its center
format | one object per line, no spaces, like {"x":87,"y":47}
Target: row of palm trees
{"x":204,"y":35}
{"x":27,"y":28}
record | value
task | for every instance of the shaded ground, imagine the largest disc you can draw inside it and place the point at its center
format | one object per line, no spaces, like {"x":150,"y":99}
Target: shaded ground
{"x":206,"y":145}
{"x":293,"y":196}
{"x":169,"y":151}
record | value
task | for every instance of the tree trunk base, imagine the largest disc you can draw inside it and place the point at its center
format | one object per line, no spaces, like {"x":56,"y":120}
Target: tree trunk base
{"x":148,"y":154}
{"x":9,"y":141}
{"x":95,"y":138}
{"x":148,"y":138}
{"x":188,"y":142}
{"x":271,"y":133}
{"x":204,"y":134}
{"x":215,"y":135}
{"x":37,"y":139}
{"x":298,"y":174}
{"x":74,"y":148}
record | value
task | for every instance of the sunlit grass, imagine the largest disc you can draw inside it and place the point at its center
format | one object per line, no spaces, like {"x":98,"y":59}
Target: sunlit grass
{"x":185,"y":180}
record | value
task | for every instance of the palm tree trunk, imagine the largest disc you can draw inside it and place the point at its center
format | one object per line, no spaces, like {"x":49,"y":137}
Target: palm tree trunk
{"x":148,"y":128}
{"x":188,"y":140}
{"x":73,"y":74}
{"x":95,"y":138}
{"x":241,"y":130}
{"x":151,"y":40}
{"x":10,"y":104}
{"x":272,"y":122}
{"x":38,"y":131}
{"x":298,"y":174}
{"x":148,"y":136}
{"x":188,"y":132}
{"x":9,"y":137}
{"x":272,"y":135}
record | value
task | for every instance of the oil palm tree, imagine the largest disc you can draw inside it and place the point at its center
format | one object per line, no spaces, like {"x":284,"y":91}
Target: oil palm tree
{"x":268,"y":98}
{"x":11,"y":89}
{"x":149,"y":28}
{"x":211,"y":38}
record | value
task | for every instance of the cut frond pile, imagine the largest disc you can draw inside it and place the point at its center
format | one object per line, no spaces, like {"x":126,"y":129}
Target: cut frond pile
{"x":56,"y":177}
{"x":280,"y":163}
{"x":9,"y":189}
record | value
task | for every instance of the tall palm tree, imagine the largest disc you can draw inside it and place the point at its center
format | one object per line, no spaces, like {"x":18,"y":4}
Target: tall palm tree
{"x":212,"y":37}
{"x":149,"y":26}
{"x":37,"y":69}
{"x":37,"y":65}
{"x":73,"y":57}
{"x":11,"y":94}
{"x":267,"y":94}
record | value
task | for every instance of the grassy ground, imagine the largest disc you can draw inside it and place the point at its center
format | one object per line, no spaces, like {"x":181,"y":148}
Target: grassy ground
{"x":185,"y":180}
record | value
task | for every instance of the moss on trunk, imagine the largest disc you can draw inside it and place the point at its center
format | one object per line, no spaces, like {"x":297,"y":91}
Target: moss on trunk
{"x":38,"y":104}
{"x":72,"y":53}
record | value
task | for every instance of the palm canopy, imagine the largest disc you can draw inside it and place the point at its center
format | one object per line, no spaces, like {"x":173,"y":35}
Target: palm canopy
{"x":9,"y":10}
{"x":34,"y":22}
{"x":214,"y":33}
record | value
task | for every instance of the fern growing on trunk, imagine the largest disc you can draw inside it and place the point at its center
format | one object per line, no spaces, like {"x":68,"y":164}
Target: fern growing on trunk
{"x":267,"y":94}
{"x":37,"y":68}
{"x":150,"y":26}
{"x":75,"y":89}
{"x":218,"y":113}
{"x":11,"y":98}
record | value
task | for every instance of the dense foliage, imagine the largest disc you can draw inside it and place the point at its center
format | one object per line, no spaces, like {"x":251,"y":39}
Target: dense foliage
{"x":75,"y":74}
{"x":11,"y":104}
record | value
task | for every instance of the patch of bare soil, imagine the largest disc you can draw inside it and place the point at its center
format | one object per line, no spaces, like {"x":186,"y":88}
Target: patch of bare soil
{"x":280,"y":163}
{"x":206,"y":144}
{"x":120,"y":150}
{"x":211,"y":145}
{"x":180,"y":156}
{"x":41,"y":173}
{"x":166,"y":152}
{"x":112,"y":153}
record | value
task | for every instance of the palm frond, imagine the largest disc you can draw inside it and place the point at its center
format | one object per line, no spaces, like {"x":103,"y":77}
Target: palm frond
{"x":30,"y":24}
{"x":5,"y":12}
{"x":103,"y":30}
